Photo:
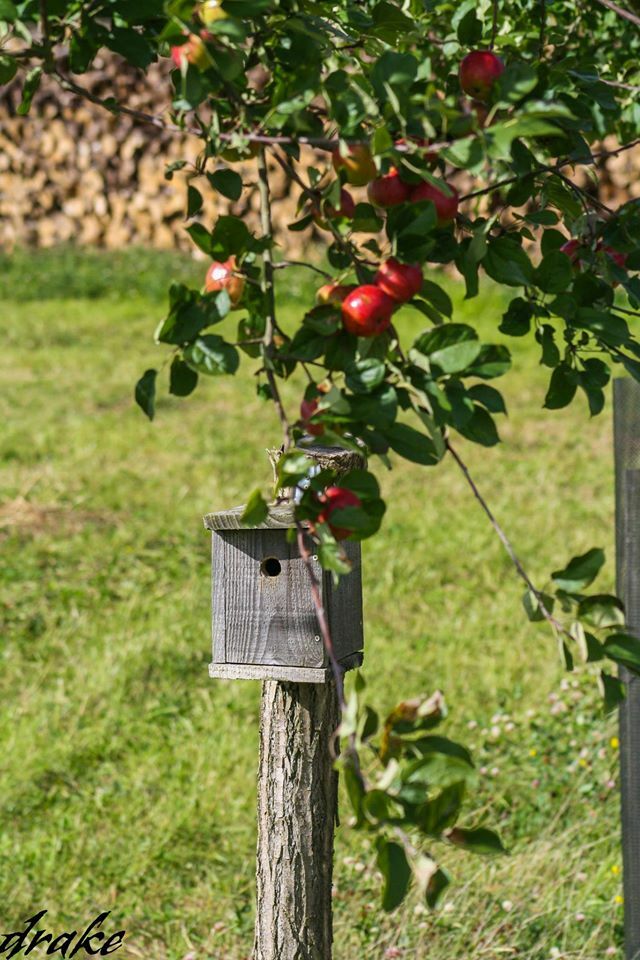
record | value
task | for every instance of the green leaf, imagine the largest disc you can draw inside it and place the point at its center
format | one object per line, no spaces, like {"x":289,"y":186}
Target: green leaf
{"x":332,"y":557}
{"x":361,"y":482}
{"x":613,"y":691}
{"x":194,"y":201}
{"x":452,"y":347}
{"x":624,"y":649}
{"x":394,"y":867}
{"x":440,"y":299}
{"x":532,"y":608}
{"x":29,"y":88}
{"x":488,"y":396}
{"x":436,"y":886}
{"x":411,"y":444}
{"x":8,"y":69}
{"x":226,"y":182}
{"x":355,"y":789}
{"x":182,"y":379}
{"x":602,"y":611}
{"x":562,"y":387}
{"x":494,"y":360}
{"x":395,"y":70}
{"x":580,"y":571}
{"x":516,"y":82}
{"x":293,"y":467}
{"x":554,"y":274}
{"x":441,"y":811}
{"x":469,"y":29}
{"x":256,"y":511}
{"x":8,"y":11}
{"x":516,"y":322}
{"x":479,"y":840}
{"x":506,"y":262}
{"x":362,"y":376}
{"x":145,"y":392}
{"x":230,"y":237}
{"x":211,"y":355}
{"x":480,"y":428}
{"x":201,"y":237}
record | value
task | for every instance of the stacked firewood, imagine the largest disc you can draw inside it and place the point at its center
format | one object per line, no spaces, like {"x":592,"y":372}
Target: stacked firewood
{"x":72,"y":172}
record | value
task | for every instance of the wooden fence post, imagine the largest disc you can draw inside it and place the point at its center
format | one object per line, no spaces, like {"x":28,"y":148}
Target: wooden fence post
{"x":297,"y":807}
{"x":265,"y":627}
{"x":626,"y":407}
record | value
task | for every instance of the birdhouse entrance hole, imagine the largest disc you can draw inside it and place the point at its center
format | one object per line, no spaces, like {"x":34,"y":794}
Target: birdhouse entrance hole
{"x":270,"y":567}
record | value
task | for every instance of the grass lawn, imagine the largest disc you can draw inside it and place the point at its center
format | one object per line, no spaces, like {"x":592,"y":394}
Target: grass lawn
{"x":128,"y":777}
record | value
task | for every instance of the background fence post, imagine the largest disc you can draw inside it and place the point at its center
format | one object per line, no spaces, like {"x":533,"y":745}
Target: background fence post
{"x":626,"y":414}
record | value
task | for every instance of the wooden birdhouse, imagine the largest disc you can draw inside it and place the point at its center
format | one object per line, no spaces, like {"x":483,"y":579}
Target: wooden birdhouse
{"x":264,"y":620}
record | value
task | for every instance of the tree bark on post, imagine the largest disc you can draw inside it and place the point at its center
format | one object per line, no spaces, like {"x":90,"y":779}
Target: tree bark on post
{"x":297,"y":807}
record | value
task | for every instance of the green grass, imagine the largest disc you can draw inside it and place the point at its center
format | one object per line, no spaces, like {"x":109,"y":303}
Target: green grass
{"x":128,"y":777}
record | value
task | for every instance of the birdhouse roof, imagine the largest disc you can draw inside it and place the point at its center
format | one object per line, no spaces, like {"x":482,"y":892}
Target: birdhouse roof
{"x":280,"y":517}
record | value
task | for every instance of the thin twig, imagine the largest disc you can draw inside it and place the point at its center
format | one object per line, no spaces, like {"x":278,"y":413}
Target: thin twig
{"x":505,"y":541}
{"x":321,"y":615}
{"x":282,"y":264}
{"x":494,"y":23}
{"x":491,"y":188}
{"x":359,"y":263}
{"x":626,"y":14}
{"x":269,"y":292}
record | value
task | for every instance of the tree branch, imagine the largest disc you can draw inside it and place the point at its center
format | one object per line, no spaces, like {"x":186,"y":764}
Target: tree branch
{"x":269,"y":292}
{"x":557,"y":626}
{"x":494,"y":23}
{"x":625,"y":14}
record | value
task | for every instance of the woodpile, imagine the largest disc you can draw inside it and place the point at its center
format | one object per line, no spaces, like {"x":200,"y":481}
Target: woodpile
{"x":71,"y":171}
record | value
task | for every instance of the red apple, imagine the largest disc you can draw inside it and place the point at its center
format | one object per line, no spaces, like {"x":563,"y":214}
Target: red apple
{"x":620,"y":259}
{"x":400,"y":281}
{"x":358,"y":164}
{"x":446,"y":203}
{"x":580,"y":253}
{"x":570,"y":249}
{"x":194,"y":51}
{"x":366,"y":311}
{"x":223,"y":276}
{"x":337,"y":498}
{"x":388,"y":190}
{"x":307,"y":410}
{"x":478,"y":72}
{"x":334,"y":293}
{"x":346,"y":209}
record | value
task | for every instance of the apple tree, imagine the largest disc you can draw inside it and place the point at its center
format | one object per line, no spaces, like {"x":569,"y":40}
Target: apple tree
{"x":421,"y":136}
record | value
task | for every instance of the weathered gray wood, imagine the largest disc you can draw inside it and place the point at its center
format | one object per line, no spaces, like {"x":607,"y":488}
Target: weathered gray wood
{"x":626,"y":395}
{"x":343,"y":605}
{"x":280,"y":516}
{"x":268,"y":619}
{"x":297,"y":800}
{"x":271,"y":620}
{"x":244,"y":671}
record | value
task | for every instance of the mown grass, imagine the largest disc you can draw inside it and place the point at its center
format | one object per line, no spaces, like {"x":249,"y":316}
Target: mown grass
{"x":128,"y":777}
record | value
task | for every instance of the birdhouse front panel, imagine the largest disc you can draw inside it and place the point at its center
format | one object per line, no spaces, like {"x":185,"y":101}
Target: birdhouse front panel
{"x":264,"y":619}
{"x":263,"y":609}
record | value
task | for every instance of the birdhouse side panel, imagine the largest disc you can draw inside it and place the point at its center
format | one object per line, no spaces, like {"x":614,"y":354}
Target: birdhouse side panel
{"x":344,"y":605}
{"x":218,"y":618}
{"x":263,"y":603}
